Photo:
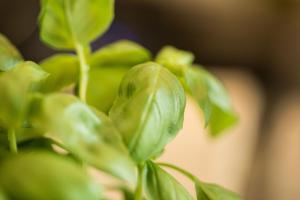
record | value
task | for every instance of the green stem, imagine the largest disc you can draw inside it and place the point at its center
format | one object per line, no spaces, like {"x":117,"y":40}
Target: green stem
{"x":12,"y":141}
{"x":83,"y":72}
{"x":138,"y":195}
{"x":182,"y":171}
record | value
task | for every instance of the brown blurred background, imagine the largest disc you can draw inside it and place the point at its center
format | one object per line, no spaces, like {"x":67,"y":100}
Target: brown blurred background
{"x":252,"y":45}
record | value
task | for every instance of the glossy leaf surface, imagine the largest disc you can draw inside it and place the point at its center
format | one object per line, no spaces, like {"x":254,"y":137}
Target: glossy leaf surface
{"x":9,"y":55}
{"x":120,"y":53}
{"x":148,"y":110}
{"x":161,"y":185}
{"x":66,"y":23}
{"x":45,"y":176}
{"x":212,"y":98}
{"x":15,"y":87}
{"x":84,"y":132}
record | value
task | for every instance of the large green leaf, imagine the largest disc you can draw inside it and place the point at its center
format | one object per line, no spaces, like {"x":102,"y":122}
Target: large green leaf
{"x":207,"y":191}
{"x":120,"y":53}
{"x":211,"y":97}
{"x":103,"y":86}
{"x":9,"y":55}
{"x":148,"y":110}
{"x":161,"y":185}
{"x":63,"y":71}
{"x":15,"y":87}
{"x":45,"y":176}
{"x":66,"y":23}
{"x":84,"y":132}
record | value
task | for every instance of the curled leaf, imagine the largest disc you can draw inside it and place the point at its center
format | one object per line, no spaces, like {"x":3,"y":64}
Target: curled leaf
{"x":148,"y":110}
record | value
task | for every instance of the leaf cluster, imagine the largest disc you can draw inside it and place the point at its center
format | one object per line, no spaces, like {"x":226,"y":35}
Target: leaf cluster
{"x":114,"y":109}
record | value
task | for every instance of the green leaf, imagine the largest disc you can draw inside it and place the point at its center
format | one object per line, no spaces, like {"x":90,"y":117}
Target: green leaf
{"x":9,"y":55}
{"x":148,"y":110}
{"x":66,"y":23}
{"x":161,"y":185}
{"x":212,"y":98}
{"x":103,"y":86}
{"x":45,"y":176}
{"x":86,"y":133}
{"x":207,"y":191}
{"x":120,"y":53}
{"x":15,"y":88}
{"x":174,"y":59}
{"x":63,"y":71}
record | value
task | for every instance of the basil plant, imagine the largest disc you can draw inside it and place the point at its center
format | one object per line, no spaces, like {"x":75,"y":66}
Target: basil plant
{"x":114,"y":109}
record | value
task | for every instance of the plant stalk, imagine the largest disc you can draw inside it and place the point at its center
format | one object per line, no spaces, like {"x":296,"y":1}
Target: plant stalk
{"x":83,"y":72}
{"x":138,"y":195}
{"x":12,"y":141}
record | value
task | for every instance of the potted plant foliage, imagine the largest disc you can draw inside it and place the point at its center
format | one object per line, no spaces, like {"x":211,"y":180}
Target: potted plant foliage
{"x":124,"y":107}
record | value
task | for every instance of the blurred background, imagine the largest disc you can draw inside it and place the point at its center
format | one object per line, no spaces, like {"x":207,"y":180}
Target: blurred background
{"x":253,"y":46}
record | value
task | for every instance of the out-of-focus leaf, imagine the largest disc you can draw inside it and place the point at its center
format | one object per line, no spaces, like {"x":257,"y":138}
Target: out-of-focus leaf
{"x":103,"y":86}
{"x":206,"y":191}
{"x":120,"y":53}
{"x":161,"y":185}
{"x":2,"y":196}
{"x":63,"y":71}
{"x":66,"y":23}
{"x":45,"y":176}
{"x":202,"y":86}
{"x":15,"y":87}
{"x":212,"y":98}
{"x":86,"y":133}
{"x":148,"y":110}
{"x":9,"y":55}
{"x":174,"y":59}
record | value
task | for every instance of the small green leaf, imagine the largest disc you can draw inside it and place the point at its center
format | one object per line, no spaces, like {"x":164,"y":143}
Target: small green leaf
{"x":45,"y":176}
{"x":148,"y":110}
{"x":120,"y":53}
{"x":174,"y":59}
{"x":15,"y":88}
{"x":63,"y":71}
{"x":161,"y":185}
{"x":86,"y":133}
{"x":9,"y":55}
{"x":207,"y":191}
{"x":103,"y":86}
{"x":211,"y":97}
{"x":66,"y":23}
